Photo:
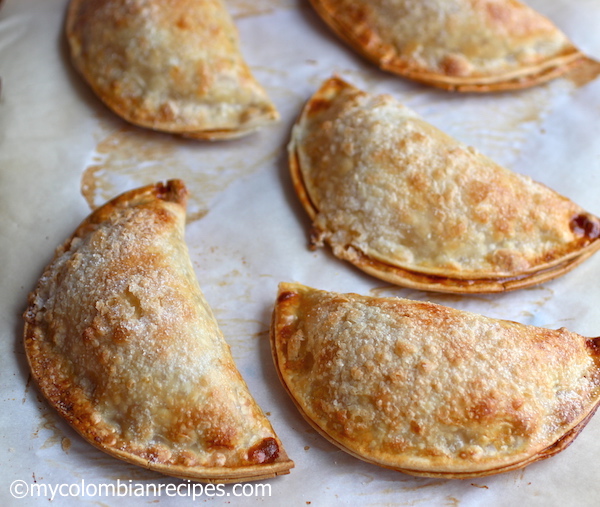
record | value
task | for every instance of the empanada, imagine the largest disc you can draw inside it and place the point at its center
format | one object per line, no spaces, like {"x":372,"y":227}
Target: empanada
{"x":171,"y":66}
{"x":124,"y":346}
{"x":463,"y":45}
{"x":407,"y":203}
{"x":429,"y":390}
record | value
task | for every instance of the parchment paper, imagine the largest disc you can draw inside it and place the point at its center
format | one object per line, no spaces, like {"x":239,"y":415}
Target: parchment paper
{"x":61,"y":151}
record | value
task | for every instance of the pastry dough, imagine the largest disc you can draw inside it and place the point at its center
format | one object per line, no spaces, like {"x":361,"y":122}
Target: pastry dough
{"x":122,"y":343}
{"x":463,"y":45}
{"x":171,"y":66}
{"x":430,"y":390}
{"x":407,"y":203}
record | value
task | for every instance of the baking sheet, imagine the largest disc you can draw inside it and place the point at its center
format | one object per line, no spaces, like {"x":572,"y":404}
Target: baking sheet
{"x":62,"y":151}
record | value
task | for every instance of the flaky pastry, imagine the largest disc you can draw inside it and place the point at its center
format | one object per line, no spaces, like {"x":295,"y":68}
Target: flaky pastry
{"x":429,"y":390}
{"x":171,"y":66}
{"x":463,"y":45}
{"x":122,"y":343}
{"x":407,"y":203}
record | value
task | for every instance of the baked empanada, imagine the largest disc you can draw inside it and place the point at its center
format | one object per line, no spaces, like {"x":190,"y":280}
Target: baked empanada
{"x":463,"y":45}
{"x":171,"y":66}
{"x":430,"y":390}
{"x":407,"y":203}
{"x":124,"y":346}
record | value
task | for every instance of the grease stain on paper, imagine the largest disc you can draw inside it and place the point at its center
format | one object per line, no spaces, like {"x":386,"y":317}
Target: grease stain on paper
{"x":519,"y":475}
{"x":48,"y":422}
{"x":408,"y":503}
{"x":27,"y":386}
{"x":427,"y":484}
{"x":118,"y":470}
{"x":250,"y":8}
{"x":238,"y":334}
{"x":130,"y":154}
{"x":127,"y":157}
{"x":65,"y":444}
{"x":547,"y":295}
{"x":452,"y":501}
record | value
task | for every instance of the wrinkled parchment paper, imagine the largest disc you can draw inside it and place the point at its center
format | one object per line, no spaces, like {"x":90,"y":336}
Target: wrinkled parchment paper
{"x":62,"y":151}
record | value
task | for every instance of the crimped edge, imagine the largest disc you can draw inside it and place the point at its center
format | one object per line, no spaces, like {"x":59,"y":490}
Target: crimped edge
{"x":411,"y":278}
{"x":533,"y":75}
{"x":268,"y":115}
{"x":559,"y":445}
{"x":173,"y":191}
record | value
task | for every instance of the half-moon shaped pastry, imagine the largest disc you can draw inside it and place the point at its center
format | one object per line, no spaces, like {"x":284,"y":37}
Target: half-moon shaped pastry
{"x":430,"y":390}
{"x":171,"y":66}
{"x":407,"y":203}
{"x":124,"y":346}
{"x":463,"y":45}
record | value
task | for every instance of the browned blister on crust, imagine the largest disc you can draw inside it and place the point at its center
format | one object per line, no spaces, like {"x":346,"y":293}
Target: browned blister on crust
{"x":171,"y":66}
{"x":430,"y":390}
{"x":461,"y":45}
{"x":123,"y":344}
{"x":407,"y":203}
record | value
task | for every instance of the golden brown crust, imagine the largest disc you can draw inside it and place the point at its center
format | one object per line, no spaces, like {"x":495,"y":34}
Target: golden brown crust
{"x":170,"y":66}
{"x":124,"y":346}
{"x":406,"y":203}
{"x":459,"y":45}
{"x":429,"y":390}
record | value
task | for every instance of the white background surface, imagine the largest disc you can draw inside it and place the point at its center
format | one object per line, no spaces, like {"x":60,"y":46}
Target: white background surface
{"x":247,"y":232}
